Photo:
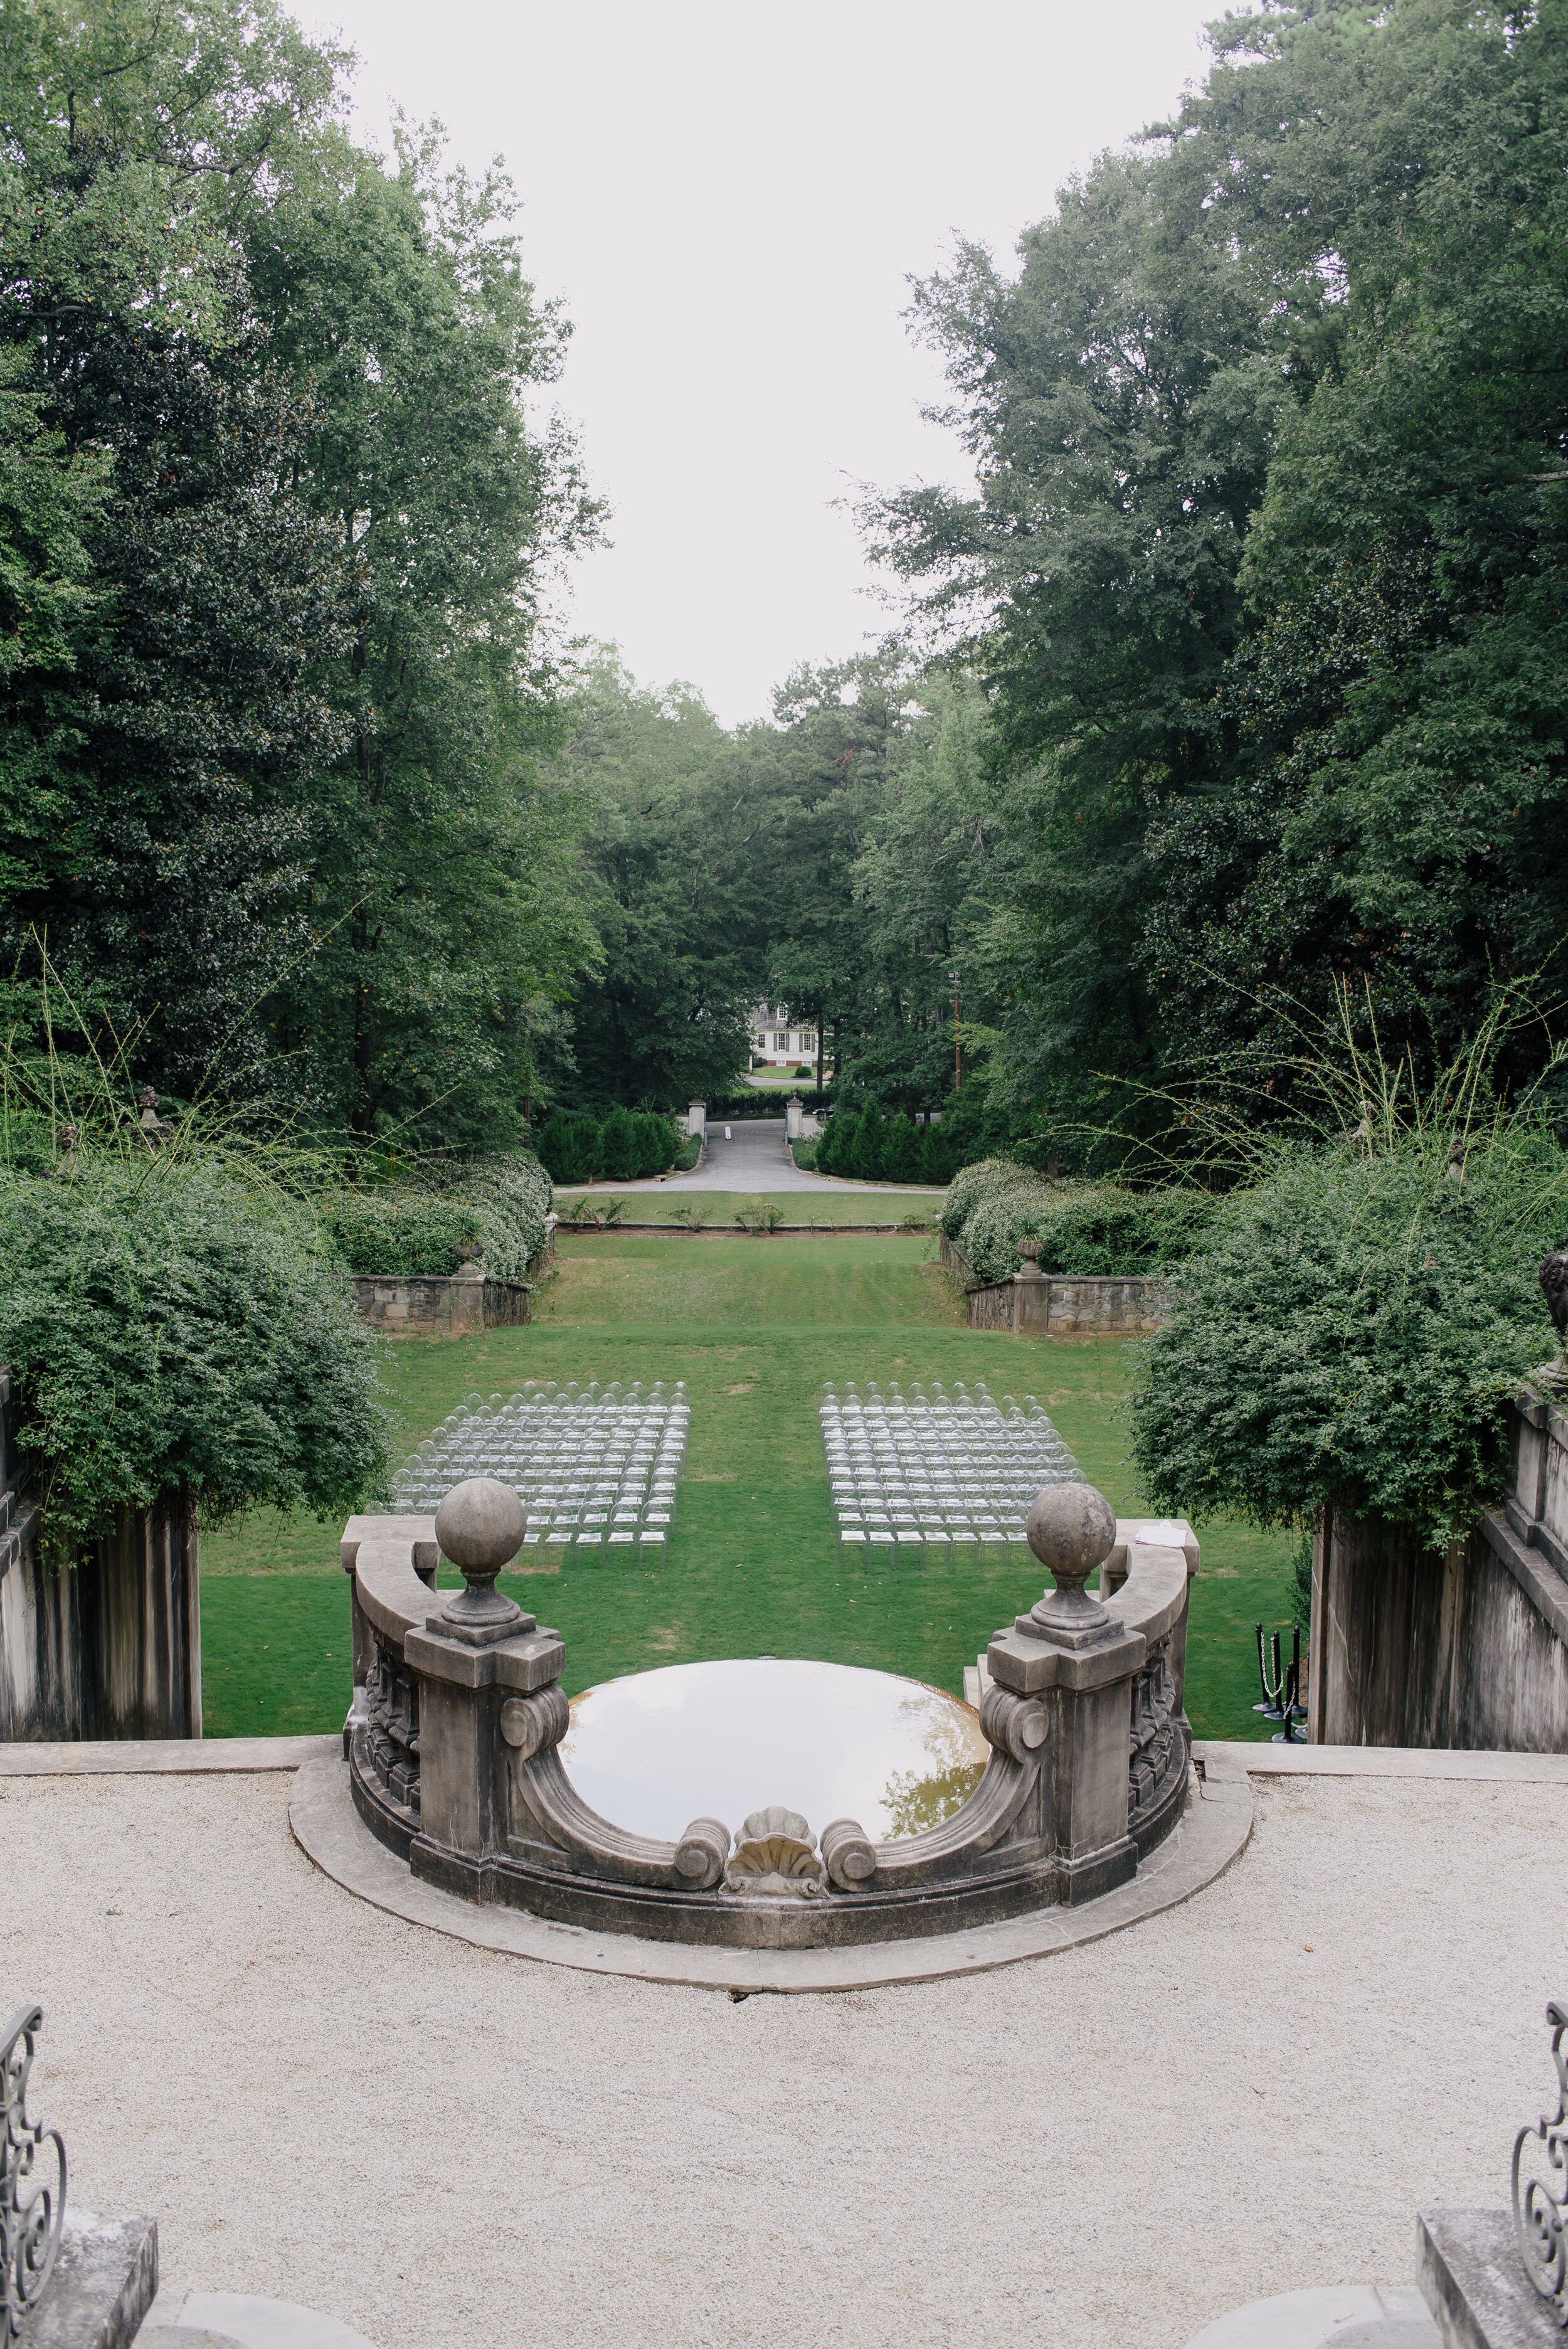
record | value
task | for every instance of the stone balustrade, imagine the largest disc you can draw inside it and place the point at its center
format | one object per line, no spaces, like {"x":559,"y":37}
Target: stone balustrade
{"x":460,"y":1710}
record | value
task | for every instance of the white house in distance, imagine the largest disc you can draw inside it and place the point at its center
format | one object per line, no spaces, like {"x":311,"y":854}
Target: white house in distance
{"x":775,"y":1043}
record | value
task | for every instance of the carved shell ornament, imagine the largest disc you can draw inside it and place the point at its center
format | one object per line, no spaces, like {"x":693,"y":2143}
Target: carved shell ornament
{"x":776,"y":1853}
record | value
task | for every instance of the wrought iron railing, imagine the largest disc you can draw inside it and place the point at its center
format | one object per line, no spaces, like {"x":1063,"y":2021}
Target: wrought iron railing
{"x":32,"y":2208}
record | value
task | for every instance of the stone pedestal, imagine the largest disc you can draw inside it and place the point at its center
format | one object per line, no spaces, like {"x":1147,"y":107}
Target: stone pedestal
{"x":1074,"y":1660}
{"x":104,"y":2280}
{"x":1474,"y":2282}
{"x":462,"y":1692}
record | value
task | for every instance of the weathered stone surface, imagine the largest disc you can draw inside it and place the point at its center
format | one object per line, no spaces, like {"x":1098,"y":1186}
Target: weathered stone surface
{"x":1061,"y":1303}
{"x":1333,"y":2316}
{"x":1412,"y":1648}
{"x":1071,"y":1530}
{"x":243,"y":2320}
{"x":432,"y":1306}
{"x":112,"y":1648}
{"x":480,"y":1525}
{"x":1087,"y":1774}
{"x":1474,"y":2282}
{"x":104,"y":2283}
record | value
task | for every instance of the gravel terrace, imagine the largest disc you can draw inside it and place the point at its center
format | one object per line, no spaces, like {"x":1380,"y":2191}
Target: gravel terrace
{"x":442,"y":2146}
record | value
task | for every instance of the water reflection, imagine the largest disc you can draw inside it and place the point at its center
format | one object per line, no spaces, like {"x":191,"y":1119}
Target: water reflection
{"x":915,"y":1799}
{"x":656,"y":1750}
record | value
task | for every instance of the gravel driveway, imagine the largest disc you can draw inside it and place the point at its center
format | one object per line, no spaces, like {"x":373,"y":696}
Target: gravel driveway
{"x":443,"y":2146}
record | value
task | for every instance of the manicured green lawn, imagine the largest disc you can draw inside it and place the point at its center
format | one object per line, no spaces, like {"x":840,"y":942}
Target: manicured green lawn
{"x":755,"y":1568}
{"x":846,"y":1202}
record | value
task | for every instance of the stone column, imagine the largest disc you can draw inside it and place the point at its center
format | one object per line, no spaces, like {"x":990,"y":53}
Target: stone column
{"x":468,"y":1301}
{"x":1073,"y":1659}
{"x":1031,"y":1289}
{"x":474,"y":1655}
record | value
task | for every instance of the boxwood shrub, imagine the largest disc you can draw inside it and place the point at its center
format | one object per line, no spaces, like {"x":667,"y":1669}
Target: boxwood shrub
{"x":493,"y":1207}
{"x":1088,"y":1229}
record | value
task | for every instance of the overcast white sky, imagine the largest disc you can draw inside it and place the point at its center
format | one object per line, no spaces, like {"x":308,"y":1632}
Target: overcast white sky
{"x":730,"y":198}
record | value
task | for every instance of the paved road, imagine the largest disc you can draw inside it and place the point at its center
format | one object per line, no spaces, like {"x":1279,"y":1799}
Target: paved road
{"x":755,"y":1158}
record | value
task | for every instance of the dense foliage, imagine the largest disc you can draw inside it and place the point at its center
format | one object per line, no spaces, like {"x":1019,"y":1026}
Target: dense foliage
{"x":626,"y":1146}
{"x":492,"y":1210}
{"x":1264,"y":578}
{"x":1241,"y":673}
{"x":168,"y":1326}
{"x":1351,"y":1333}
{"x":1084,"y":1227}
{"x":274,"y":525}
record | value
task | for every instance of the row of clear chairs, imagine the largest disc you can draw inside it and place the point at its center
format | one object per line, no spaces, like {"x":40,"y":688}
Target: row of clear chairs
{"x":597,"y":1468}
{"x":954,"y":1470}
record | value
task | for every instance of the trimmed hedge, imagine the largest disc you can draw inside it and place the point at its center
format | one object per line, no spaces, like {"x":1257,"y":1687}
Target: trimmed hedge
{"x":626,"y":1146}
{"x":495,"y":1207}
{"x":1086,"y":1228}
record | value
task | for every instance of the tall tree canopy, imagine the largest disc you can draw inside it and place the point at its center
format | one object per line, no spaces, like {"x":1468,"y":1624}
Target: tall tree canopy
{"x":1264,"y":574}
{"x":273,"y":747}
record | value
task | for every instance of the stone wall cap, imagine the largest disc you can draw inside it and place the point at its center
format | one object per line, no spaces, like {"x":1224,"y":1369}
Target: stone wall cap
{"x":1025,"y":1664}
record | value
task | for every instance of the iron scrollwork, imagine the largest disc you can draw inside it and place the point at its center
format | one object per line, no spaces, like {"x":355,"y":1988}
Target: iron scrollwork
{"x":1538,"y":2210}
{"x":32,"y":2211}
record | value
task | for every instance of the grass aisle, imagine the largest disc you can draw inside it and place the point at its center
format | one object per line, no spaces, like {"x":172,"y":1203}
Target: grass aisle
{"x":754,"y":1327}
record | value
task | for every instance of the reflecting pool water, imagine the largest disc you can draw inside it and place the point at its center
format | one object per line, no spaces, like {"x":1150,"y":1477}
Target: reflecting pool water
{"x":656,"y":1750}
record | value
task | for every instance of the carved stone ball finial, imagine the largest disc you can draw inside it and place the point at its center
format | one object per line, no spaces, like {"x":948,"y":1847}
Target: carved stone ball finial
{"x":1071,"y":1530}
{"x":479,"y":1527}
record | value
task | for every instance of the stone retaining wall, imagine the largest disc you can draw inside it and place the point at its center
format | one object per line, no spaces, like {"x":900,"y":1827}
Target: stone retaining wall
{"x":1413,"y":1647}
{"x":1061,"y":1303}
{"x":111,"y":1648}
{"x":428,"y":1305}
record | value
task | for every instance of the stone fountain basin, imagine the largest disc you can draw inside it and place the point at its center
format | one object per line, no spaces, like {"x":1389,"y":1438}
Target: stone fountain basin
{"x":721,"y":1740}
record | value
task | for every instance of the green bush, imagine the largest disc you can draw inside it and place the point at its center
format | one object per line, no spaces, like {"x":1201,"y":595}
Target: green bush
{"x":618,"y":1147}
{"x":832,"y":1142}
{"x":866,"y":1149}
{"x":167,"y":1325}
{"x":804,"y":1153}
{"x":569,"y":1146}
{"x":1086,"y":1228}
{"x":1351,"y":1333}
{"x":900,"y":1150}
{"x":689,"y":1154}
{"x":939,"y":1158}
{"x":494,"y":1207}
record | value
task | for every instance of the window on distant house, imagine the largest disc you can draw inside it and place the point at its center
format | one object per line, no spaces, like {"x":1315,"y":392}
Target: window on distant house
{"x":781,"y":1040}
{"x":808,"y":1039}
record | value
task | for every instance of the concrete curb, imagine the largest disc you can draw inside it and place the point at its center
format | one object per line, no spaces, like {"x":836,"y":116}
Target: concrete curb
{"x":196,"y":1756}
{"x":1213,"y":1833}
{"x":1388,"y":1761}
{"x":171,"y":1756}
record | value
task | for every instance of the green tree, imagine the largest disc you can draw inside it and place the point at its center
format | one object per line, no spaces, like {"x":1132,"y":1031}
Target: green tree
{"x":162,"y":732}
{"x":900,"y":1150}
{"x":1119,"y":400}
{"x":443,"y":887}
{"x":678,"y":886}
